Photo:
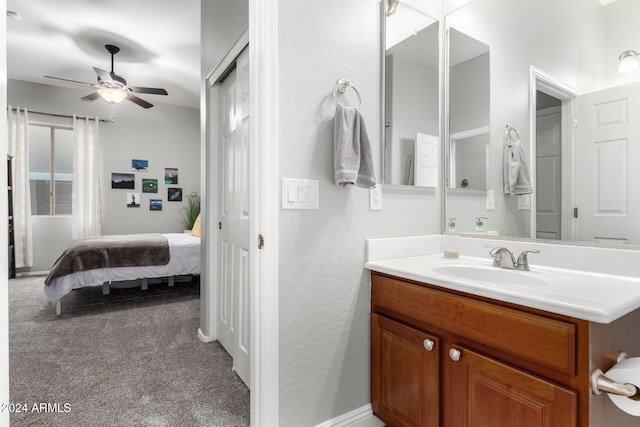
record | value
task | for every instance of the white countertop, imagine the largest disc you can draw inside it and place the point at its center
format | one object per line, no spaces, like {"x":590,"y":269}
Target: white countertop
{"x":592,"y":296}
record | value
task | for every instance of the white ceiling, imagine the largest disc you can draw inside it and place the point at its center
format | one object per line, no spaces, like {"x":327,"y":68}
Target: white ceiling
{"x":159,"y":42}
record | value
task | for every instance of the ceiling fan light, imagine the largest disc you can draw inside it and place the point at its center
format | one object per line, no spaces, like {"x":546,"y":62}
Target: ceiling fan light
{"x":111,"y":95}
{"x":628,"y":61}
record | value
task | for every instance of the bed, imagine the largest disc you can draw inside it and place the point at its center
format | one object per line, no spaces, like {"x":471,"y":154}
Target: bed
{"x":108,"y":260}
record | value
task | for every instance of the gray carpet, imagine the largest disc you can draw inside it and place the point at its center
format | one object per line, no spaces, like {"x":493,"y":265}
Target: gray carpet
{"x":131,"y":358}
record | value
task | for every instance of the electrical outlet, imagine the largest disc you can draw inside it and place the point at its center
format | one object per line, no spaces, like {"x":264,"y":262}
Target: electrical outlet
{"x":375,"y":198}
{"x":524,"y":202}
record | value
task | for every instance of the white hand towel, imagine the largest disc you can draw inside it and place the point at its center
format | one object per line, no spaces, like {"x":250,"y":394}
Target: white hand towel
{"x":516,"y":170}
{"x":352,"y":155}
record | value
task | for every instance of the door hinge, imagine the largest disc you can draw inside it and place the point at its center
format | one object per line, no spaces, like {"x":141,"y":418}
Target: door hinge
{"x":575,"y":212}
{"x":575,"y":122}
{"x":260,"y":241}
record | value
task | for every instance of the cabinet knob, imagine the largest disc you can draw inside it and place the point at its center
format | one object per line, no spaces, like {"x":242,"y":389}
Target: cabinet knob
{"x":428,"y":344}
{"x":455,"y":354}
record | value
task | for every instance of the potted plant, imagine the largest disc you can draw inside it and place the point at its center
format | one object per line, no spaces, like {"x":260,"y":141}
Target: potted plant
{"x":191,"y":211}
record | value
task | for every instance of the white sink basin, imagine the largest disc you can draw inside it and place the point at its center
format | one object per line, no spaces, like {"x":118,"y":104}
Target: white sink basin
{"x":594,"y":297}
{"x":495,"y":275}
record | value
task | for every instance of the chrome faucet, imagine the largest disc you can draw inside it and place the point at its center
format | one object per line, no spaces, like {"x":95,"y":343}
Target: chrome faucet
{"x":503,"y":258}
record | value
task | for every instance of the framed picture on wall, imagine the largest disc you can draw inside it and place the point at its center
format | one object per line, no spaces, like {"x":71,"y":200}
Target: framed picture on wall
{"x":174,"y":194}
{"x":149,"y":185}
{"x":133,"y":200}
{"x":155,"y":204}
{"x":123,"y":180}
{"x":140,"y":165}
{"x":170,"y":175}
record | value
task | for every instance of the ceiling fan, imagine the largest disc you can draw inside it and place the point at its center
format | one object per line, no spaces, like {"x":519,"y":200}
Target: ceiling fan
{"x":112,"y":87}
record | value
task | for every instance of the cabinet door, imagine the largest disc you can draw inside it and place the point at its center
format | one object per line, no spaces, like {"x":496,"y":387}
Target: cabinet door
{"x":405,"y":380}
{"x":480,"y":391}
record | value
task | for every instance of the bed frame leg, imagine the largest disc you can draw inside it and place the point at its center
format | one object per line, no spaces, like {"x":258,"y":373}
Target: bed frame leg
{"x":145,"y":284}
{"x":106,"y":289}
{"x":171,"y":281}
{"x":58,"y":308}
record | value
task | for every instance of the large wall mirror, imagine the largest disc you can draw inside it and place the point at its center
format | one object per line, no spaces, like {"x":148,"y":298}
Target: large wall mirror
{"x":562,"y":82}
{"x":469,"y":160}
{"x":411,"y":58}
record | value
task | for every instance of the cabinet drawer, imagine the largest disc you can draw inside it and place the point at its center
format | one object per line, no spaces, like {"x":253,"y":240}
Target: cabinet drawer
{"x":545,"y":341}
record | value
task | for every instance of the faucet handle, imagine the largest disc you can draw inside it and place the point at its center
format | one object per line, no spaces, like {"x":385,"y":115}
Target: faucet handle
{"x":502,"y":257}
{"x":523,"y":260}
{"x":492,"y":253}
{"x":493,"y":248}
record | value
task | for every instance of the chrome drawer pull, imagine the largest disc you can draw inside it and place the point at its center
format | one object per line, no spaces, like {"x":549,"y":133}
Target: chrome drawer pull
{"x":454,"y":354}
{"x":428,"y":344}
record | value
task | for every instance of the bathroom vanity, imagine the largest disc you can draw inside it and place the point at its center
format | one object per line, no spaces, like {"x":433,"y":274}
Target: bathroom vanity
{"x":448,"y":349}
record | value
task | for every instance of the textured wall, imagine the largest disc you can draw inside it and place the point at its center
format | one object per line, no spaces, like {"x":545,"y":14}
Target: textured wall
{"x":222,"y":24}
{"x":324,"y":289}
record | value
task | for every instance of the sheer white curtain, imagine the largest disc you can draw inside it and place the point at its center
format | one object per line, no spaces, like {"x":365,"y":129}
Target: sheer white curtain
{"x":19,"y":148}
{"x":86,"y":206}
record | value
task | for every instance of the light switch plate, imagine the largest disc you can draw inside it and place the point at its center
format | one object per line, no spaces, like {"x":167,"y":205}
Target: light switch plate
{"x":490,"y":200}
{"x":300,"y":193}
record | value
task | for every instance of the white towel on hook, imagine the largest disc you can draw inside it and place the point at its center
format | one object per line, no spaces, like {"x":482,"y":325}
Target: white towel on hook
{"x":352,"y":155}
{"x":515,"y":169}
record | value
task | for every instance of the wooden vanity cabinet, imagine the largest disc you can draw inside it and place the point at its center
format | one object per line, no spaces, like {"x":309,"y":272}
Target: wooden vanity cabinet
{"x":405,"y":388}
{"x":444,"y":358}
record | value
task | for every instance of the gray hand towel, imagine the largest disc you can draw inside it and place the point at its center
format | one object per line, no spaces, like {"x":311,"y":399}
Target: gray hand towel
{"x":352,"y":155}
{"x":516,"y":170}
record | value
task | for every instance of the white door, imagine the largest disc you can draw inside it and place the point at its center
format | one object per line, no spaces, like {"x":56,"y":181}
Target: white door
{"x":608,"y":169}
{"x":426,"y":160}
{"x":233,"y":241}
{"x":548,"y":173}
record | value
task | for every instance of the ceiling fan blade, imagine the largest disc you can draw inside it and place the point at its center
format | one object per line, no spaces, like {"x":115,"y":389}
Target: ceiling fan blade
{"x":141,"y":102}
{"x":118,"y":78}
{"x":91,"y":97}
{"x":150,"y":90}
{"x":103,"y":75}
{"x":67,"y":82}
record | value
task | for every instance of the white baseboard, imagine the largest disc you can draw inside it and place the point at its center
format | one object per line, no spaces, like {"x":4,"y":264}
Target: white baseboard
{"x":32,"y":273}
{"x":203,"y":337}
{"x":361,"y":417}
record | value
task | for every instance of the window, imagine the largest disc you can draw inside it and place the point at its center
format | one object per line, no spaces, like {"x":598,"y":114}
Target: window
{"x":50,"y":169}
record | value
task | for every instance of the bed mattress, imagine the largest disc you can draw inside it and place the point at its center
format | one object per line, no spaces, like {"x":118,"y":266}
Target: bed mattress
{"x":184,"y":259}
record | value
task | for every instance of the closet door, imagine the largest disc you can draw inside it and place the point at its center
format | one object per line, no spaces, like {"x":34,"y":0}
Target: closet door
{"x":233,"y":271}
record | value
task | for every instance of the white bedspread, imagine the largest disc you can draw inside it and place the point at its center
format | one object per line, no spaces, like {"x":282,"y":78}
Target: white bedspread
{"x":185,"y":259}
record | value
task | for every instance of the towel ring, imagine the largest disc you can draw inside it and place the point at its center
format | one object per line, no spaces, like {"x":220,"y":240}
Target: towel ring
{"x":341,"y":86}
{"x":509,"y":137}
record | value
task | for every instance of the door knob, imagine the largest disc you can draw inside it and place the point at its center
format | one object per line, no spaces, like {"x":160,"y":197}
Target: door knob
{"x":428,"y":344}
{"x":455,"y":354}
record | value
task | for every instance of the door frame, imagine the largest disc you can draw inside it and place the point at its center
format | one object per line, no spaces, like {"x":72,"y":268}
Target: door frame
{"x":264,"y":179}
{"x":540,"y":81}
{"x":264,"y":196}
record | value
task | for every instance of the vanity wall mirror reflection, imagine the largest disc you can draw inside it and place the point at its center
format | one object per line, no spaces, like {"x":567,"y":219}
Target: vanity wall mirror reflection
{"x":411,"y":58}
{"x":554,"y":76}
